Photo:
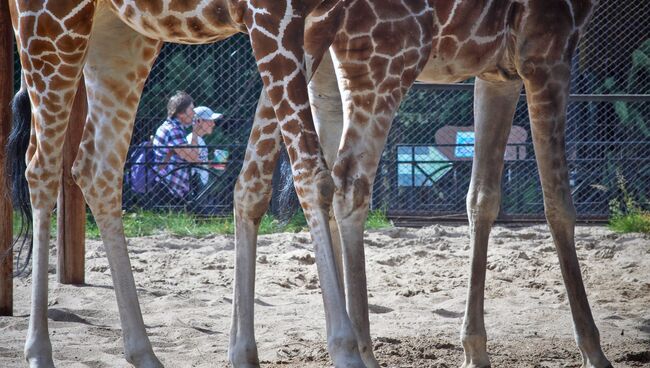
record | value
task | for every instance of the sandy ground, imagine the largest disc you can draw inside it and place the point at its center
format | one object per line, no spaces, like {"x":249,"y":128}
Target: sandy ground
{"x":417,"y":284}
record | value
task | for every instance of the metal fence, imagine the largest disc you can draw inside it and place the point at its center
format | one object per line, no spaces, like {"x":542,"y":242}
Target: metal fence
{"x":425,"y":168}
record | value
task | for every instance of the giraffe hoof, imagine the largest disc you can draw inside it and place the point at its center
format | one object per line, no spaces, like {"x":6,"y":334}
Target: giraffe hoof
{"x":244,"y":355}
{"x":246,"y":365}
{"x":38,"y":353}
{"x":369,"y":358}
{"x":41,"y":362}
{"x":605,"y":364}
{"x":472,"y":365}
{"x":147,"y":361}
{"x":349,"y":359}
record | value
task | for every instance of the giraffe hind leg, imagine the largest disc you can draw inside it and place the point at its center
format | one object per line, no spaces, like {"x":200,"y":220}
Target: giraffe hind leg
{"x":52,"y":66}
{"x":325,"y":101}
{"x":546,"y":79}
{"x":118,"y":63}
{"x":547,"y":93}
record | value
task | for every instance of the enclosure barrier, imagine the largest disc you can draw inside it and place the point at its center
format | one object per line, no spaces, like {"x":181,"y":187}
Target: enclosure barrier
{"x":425,"y":169}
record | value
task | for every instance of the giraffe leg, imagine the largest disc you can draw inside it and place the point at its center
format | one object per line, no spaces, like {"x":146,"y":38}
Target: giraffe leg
{"x":38,"y":348}
{"x":325,"y":101}
{"x":350,"y":206}
{"x":252,"y":195}
{"x":371,"y":93}
{"x":494,"y":108}
{"x":52,"y":67}
{"x":281,"y":62}
{"x":119,"y":60}
{"x":547,"y":89}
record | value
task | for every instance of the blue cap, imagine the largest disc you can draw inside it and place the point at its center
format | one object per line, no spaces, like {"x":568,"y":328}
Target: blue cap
{"x":205,"y":113}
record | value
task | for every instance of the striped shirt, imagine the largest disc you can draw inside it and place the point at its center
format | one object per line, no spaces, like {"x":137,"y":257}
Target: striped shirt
{"x":169,"y":135}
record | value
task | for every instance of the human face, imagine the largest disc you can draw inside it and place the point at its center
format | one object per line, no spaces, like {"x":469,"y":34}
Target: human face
{"x":186,"y":116}
{"x":204,"y":127}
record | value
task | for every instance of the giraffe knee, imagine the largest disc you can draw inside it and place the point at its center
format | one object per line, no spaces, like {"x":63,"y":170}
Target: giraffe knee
{"x":251,"y":199}
{"x":352,"y":198}
{"x":43,"y":183}
{"x":325,"y":189}
{"x":80,"y":172}
{"x":560,"y":212}
{"x":360,"y":192}
{"x":483,"y":204}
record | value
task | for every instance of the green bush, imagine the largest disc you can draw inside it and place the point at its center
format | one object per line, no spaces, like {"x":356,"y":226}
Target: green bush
{"x":626,"y":215}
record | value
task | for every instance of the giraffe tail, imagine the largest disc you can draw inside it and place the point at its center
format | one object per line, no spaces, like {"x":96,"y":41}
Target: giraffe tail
{"x":16,"y":150}
{"x":284,"y":202}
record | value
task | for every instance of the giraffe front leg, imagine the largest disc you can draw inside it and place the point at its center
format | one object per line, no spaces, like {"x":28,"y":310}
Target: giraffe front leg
{"x":353,"y":179}
{"x":346,"y":226}
{"x":370,"y":97}
{"x":351,"y":210}
{"x":252,"y":195}
{"x":494,"y":108}
{"x":278,"y":45}
{"x":342,"y":339}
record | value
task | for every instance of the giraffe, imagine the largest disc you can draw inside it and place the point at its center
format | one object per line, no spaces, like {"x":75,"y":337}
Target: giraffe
{"x":114,"y":43}
{"x":381,"y":48}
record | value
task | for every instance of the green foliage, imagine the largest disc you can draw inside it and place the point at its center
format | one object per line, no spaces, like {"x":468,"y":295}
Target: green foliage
{"x":634,"y":118}
{"x":626,"y":215}
{"x":296,"y":223}
{"x":147,"y":223}
{"x":631,"y":223}
{"x":377,"y":220}
{"x":631,"y":114}
{"x":181,"y":224}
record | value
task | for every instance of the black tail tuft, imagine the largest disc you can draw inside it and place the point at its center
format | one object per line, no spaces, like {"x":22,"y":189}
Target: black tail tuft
{"x":284,"y":202}
{"x":15,"y":173}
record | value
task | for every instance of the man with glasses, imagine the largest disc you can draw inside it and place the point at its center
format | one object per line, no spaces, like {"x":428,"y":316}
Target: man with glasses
{"x":171,"y":149}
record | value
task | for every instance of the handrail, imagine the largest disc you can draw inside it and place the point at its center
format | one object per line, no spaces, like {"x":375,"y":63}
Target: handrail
{"x":572,"y":97}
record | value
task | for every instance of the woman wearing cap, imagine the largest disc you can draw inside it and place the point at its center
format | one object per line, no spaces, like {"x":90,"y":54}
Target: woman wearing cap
{"x":203,"y":124}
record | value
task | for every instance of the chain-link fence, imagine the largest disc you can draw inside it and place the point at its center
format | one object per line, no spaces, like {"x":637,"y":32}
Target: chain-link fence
{"x":222,"y":76}
{"x":425,"y":168}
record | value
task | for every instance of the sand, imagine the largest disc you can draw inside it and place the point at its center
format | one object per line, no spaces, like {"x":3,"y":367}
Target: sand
{"x":417,"y":284}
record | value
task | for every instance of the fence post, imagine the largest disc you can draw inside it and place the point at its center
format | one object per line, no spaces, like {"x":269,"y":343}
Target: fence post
{"x":71,"y":208}
{"x":6,"y":91}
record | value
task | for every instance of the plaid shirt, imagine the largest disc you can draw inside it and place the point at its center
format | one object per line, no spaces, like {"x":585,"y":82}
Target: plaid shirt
{"x":170,"y":135}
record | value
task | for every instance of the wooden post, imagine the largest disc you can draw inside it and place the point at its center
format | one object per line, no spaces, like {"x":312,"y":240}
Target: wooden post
{"x":71,"y":208}
{"x":6,"y":220}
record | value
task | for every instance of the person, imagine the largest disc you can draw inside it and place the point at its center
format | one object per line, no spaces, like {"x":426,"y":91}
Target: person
{"x":171,"y":147}
{"x":204,"y":121}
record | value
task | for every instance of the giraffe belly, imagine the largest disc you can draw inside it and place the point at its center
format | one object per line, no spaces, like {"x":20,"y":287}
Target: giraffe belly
{"x":469,"y":40}
{"x":204,"y":23}
{"x":442,"y":72}
{"x":488,"y":66}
